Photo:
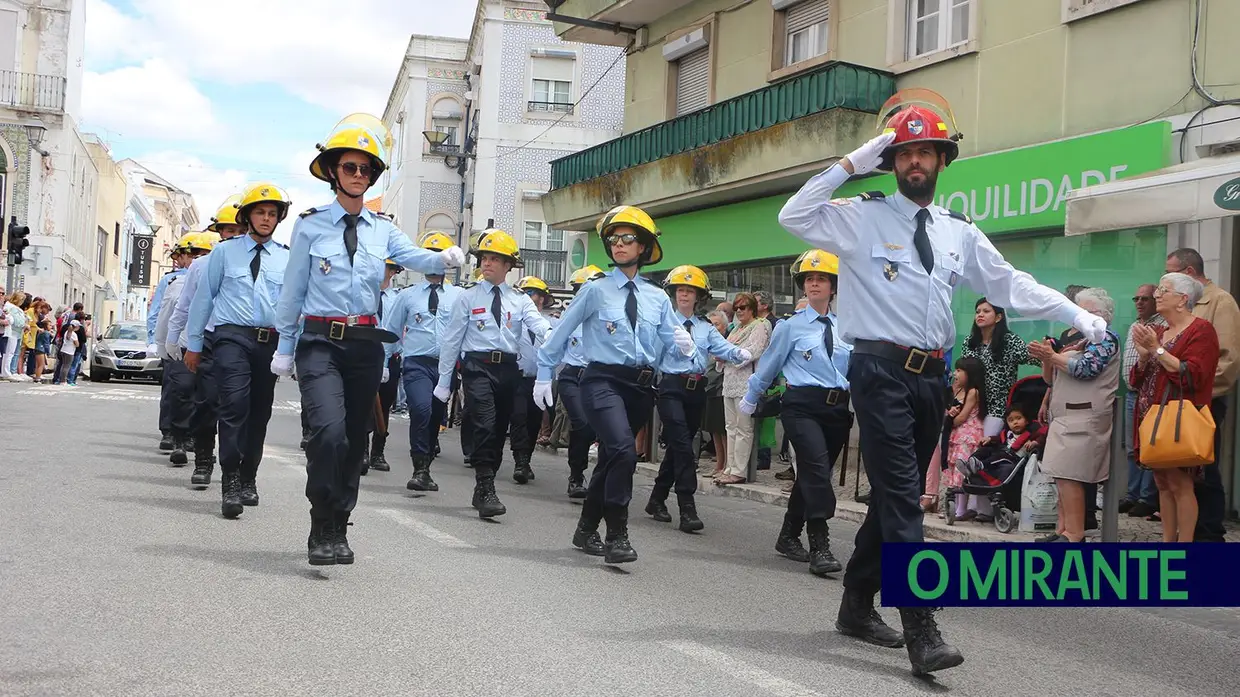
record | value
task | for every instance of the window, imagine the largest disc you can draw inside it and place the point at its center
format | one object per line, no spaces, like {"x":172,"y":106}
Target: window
{"x":101,"y":249}
{"x":552,"y":85}
{"x":450,"y":127}
{"x":446,"y":115}
{"x":116,"y":241}
{"x":543,"y":246}
{"x":936,"y":25}
{"x":806,"y":29}
{"x":693,"y":82}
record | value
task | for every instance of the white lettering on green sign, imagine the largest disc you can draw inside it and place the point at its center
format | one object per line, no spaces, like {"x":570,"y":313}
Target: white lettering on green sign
{"x":1228,"y":196}
{"x":1030,"y":197}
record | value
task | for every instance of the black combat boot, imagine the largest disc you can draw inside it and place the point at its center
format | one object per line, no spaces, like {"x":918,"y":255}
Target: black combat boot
{"x":689,"y":520}
{"x":485,"y":500}
{"x":230,"y":495}
{"x":859,"y":618}
{"x":926,"y":649}
{"x":179,"y":456}
{"x":166,"y":444}
{"x":821,"y":560}
{"x":319,"y":545}
{"x":366,"y":458}
{"x":586,"y":536}
{"x":656,"y":507}
{"x":617,"y":548}
{"x":521,"y":472}
{"x":340,"y":539}
{"x":421,"y":479}
{"x":249,"y":493}
{"x":789,"y":541}
{"x":379,"y":463}
{"x":577,"y":485}
{"x":204,"y":461}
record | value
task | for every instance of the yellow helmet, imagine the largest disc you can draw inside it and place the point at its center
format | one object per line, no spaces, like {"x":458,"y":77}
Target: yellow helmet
{"x":227,"y":213}
{"x":262,"y":192}
{"x":200,"y":241}
{"x":361,"y":132}
{"x":435,"y":240}
{"x":498,"y":242}
{"x":814,"y":260}
{"x":181,"y":246}
{"x":642,"y":224}
{"x":585,"y":273}
{"x":687,"y":275}
{"x":392,"y":262}
{"x":532,"y":283}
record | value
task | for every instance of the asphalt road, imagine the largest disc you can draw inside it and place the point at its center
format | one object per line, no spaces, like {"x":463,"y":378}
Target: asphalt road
{"x":118,"y":579}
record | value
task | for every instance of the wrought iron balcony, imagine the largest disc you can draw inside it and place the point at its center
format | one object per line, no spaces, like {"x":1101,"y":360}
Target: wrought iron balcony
{"x":547,"y":264}
{"x":835,"y":85}
{"x":31,"y":91}
{"x":555,"y":107}
{"x":446,"y":149}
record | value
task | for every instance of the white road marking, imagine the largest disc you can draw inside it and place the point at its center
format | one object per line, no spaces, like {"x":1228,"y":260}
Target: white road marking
{"x":433,"y":533}
{"x":753,"y":675}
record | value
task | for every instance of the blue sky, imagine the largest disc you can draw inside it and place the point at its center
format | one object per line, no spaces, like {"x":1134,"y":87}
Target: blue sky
{"x":212,"y":94}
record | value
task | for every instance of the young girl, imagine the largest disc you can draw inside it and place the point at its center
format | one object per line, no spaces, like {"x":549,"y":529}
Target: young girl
{"x":42,"y":346}
{"x":966,"y":410}
{"x":68,"y":349}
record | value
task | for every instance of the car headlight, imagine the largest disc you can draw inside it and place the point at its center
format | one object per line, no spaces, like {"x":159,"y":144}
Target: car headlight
{"x":103,"y":350}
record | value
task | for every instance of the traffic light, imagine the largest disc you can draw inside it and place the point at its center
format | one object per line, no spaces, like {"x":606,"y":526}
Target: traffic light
{"x":17,"y":239}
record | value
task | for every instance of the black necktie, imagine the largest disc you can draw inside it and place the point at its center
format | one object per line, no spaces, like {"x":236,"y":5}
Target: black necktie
{"x":921,"y":240}
{"x":432,"y":305}
{"x":380,"y":304}
{"x":495,"y":305}
{"x":827,"y":339}
{"x":689,"y":326}
{"x":256,"y":262}
{"x":350,"y":234}
{"x":630,"y":304}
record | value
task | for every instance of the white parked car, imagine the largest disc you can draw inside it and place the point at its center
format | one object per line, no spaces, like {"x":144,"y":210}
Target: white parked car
{"x":120,"y":352}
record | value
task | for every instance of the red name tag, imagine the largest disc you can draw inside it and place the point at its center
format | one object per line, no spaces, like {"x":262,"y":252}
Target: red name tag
{"x":478,"y":310}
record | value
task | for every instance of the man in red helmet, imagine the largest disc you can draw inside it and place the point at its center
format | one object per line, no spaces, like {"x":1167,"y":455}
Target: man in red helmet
{"x":901,"y":258}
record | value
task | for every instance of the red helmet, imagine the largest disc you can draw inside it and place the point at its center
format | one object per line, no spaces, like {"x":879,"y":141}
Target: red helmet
{"x":915,"y":124}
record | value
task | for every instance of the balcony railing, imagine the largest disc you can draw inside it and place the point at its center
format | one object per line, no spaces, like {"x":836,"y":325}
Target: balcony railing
{"x":547,"y":264}
{"x":553,"y":107}
{"x":31,"y":91}
{"x":446,"y":149}
{"x":836,"y":85}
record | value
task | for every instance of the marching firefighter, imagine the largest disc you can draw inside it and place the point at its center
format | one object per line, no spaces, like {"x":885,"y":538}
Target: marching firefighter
{"x":177,"y":378}
{"x":627,"y":320}
{"x":682,"y":395}
{"x":180,"y":260}
{"x":203,"y":421}
{"x":526,"y":416}
{"x":814,"y":363}
{"x":372,"y":457}
{"x":901,"y":258}
{"x":580,"y":435}
{"x":238,"y":294}
{"x":327,"y":316}
{"x":486,"y":326}
{"x":419,"y":315}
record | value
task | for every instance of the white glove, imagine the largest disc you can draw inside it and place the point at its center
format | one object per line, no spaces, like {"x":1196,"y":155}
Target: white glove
{"x":154,"y":352}
{"x":443,"y":394}
{"x":865,"y":158}
{"x":386,"y":374}
{"x":746,"y":358}
{"x":452,"y":257}
{"x":282,"y":364}
{"x":684,"y":341}
{"x":172,"y":351}
{"x":542,"y":394}
{"x":746,"y":407}
{"x":1092,"y":326}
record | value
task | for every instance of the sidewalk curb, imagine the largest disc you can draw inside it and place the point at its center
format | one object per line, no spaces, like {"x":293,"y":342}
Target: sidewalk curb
{"x":850,"y":511}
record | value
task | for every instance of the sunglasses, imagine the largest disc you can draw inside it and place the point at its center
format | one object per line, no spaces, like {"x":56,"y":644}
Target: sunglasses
{"x":626,"y":238}
{"x":353,"y":169}
{"x":742,"y":307}
{"x":1139,"y":298}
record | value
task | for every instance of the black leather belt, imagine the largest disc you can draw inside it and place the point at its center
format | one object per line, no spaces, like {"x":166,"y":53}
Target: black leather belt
{"x":263,"y":335}
{"x":915,"y":360}
{"x":832,"y":397}
{"x":642,"y":376}
{"x":492,"y":357}
{"x":340,"y":331}
{"x":572,"y":371}
{"x":428,"y":360}
{"x":691,"y":382}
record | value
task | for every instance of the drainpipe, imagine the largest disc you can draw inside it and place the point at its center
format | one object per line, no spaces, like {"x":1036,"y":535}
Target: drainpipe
{"x":461,"y":237}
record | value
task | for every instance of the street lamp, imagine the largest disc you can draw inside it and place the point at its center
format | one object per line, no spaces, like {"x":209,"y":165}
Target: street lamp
{"x":439,"y":141}
{"x":34,"y":135}
{"x":435,"y":138}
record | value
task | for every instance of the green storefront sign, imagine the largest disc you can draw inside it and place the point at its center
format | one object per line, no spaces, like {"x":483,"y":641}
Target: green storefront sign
{"x":1228,"y":196}
{"x":1022,"y":189}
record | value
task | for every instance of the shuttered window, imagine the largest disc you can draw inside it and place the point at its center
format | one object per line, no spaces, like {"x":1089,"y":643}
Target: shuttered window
{"x":693,"y":82}
{"x":806,"y":24}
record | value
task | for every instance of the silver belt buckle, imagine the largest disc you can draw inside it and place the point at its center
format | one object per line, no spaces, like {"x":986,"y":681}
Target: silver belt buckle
{"x":351,"y":320}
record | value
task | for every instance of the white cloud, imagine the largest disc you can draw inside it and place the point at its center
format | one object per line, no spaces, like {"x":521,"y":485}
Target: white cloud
{"x":151,"y":101}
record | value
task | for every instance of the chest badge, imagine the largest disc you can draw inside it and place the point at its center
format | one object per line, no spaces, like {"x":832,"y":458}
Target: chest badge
{"x":891,"y":271}
{"x":807,"y":355}
{"x":325,"y":266}
{"x":418,"y":318}
{"x":611,"y":327}
{"x":893,"y":247}
{"x":482,"y":324}
{"x":573,"y":341}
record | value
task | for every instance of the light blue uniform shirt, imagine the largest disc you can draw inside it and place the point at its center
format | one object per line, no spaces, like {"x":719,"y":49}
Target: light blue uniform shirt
{"x":886,"y":293}
{"x":527,"y":361}
{"x":228,"y":294}
{"x":709,"y":342}
{"x":180,"y":314}
{"x":797,"y":350}
{"x":152,"y":315}
{"x":599,"y":309}
{"x":575,"y":352}
{"x":472,"y":326}
{"x":321,"y":281}
{"x":410,"y":317}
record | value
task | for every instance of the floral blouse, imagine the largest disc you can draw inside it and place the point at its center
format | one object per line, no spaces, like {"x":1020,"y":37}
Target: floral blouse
{"x":1000,"y":376}
{"x":1094,"y":358}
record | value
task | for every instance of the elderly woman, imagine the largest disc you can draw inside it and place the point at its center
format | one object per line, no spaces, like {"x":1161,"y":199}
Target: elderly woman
{"x":1084,"y":377}
{"x":752,"y":334}
{"x":1189,"y":342}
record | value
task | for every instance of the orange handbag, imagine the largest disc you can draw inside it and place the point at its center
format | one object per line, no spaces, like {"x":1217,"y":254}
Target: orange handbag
{"x":1176,"y":432}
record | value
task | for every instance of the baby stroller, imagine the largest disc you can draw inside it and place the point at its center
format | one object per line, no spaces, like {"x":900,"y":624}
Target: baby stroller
{"x":1004,"y":497}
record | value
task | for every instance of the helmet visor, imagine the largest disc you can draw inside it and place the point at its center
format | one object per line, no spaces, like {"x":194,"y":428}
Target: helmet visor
{"x":916,"y":96}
